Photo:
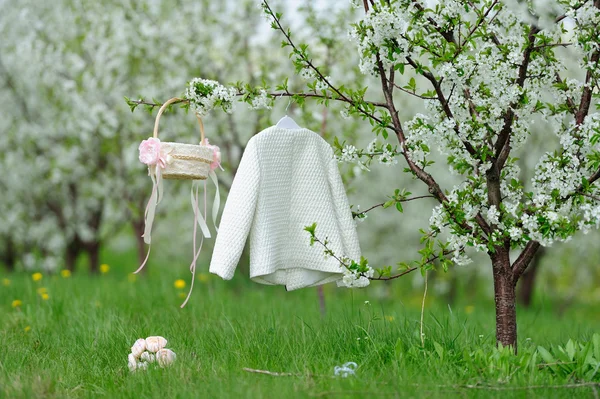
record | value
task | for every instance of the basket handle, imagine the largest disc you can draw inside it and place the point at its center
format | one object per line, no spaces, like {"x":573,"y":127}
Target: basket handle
{"x":164,"y":107}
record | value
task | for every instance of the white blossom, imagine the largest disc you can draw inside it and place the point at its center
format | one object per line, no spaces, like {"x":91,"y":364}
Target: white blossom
{"x":205,"y":94}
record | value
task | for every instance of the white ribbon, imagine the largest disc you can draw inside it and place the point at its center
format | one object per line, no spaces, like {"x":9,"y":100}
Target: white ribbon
{"x":197,"y":222}
{"x":197,"y":215}
{"x":150,"y":212}
{"x":217,"y":201}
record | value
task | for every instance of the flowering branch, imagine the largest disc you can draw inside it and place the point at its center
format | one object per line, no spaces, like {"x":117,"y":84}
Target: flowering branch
{"x":303,"y":58}
{"x":362,"y":271}
{"x":271,"y":95}
{"x":356,"y":274}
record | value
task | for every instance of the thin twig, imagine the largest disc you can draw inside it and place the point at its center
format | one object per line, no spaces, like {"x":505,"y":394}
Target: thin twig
{"x":380,"y":278}
{"x":383,"y":203}
{"x":541,"y":46}
{"x":595,"y":198}
{"x":272,"y":373}
{"x":413,"y":94}
{"x":395,"y":276}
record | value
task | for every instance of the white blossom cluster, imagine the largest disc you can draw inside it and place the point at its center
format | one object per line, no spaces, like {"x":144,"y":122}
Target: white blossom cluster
{"x":380,"y":35}
{"x":558,"y":181}
{"x":148,"y":351}
{"x":262,"y":101}
{"x":205,"y":95}
{"x":355,"y":279}
{"x":385,"y":154}
{"x":349,"y":154}
{"x":320,"y":83}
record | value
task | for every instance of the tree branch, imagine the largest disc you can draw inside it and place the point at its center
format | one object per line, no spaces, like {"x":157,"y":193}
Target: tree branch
{"x":395,"y":276}
{"x":276,"y":95}
{"x":355,"y":214}
{"x":442,"y":99}
{"x":595,"y":198}
{"x":309,"y":63}
{"x":570,"y":102}
{"x":586,"y":96}
{"x":425,"y":177}
{"x":520,"y":264}
{"x":413,"y":94}
{"x":502,"y":146}
{"x":552,"y":45}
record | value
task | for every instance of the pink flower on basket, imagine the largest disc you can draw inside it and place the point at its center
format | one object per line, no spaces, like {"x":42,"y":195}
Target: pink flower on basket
{"x":216,"y":163}
{"x":150,"y":153}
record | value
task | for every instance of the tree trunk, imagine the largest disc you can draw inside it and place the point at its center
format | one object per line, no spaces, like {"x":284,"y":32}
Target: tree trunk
{"x":138,"y":230}
{"x":72,"y":253}
{"x":527,"y":281}
{"x":322,"y":306}
{"x":505,"y":298}
{"x":93,"y":250}
{"x":9,"y":257}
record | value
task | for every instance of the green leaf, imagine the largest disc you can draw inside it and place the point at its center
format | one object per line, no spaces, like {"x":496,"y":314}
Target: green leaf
{"x":570,"y":349}
{"x":546,"y":356}
{"x":389,"y":203}
{"x":596,"y":342}
{"x":311,"y":229}
{"x":399,"y":207}
{"x":439,"y":350}
{"x":399,"y":348}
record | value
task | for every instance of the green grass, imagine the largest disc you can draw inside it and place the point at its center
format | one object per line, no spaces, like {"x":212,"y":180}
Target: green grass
{"x":79,"y":338}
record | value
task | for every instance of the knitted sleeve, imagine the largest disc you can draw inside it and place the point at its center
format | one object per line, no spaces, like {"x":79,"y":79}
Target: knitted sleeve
{"x":343,"y":213}
{"x":237,"y":217}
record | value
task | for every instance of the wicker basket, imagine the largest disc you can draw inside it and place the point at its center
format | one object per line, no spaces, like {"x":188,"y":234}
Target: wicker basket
{"x":186,"y":161}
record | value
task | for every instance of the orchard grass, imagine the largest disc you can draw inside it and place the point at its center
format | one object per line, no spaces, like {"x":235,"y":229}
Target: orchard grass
{"x":75,"y":343}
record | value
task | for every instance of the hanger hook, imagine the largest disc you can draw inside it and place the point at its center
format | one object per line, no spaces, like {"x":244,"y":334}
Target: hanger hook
{"x":288,"y":106}
{"x":289,"y":102}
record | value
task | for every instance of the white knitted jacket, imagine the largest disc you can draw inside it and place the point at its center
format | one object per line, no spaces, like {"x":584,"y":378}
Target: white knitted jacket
{"x":287,"y":179}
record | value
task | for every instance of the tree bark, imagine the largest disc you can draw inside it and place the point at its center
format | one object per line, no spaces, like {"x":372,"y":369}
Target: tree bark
{"x":93,"y":251}
{"x":9,"y":257}
{"x":527,"y":284}
{"x":72,"y":253}
{"x":505,"y":298}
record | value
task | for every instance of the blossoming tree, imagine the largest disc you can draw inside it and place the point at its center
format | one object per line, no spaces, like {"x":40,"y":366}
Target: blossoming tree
{"x":485,"y":71}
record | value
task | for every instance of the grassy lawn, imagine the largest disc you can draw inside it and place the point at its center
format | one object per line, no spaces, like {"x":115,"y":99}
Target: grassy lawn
{"x":75,"y":342}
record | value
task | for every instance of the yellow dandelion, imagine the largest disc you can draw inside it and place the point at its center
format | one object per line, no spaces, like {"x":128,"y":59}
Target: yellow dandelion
{"x":36,"y":276}
{"x":45,"y":296}
{"x":104,"y":268}
{"x":27,"y":329}
{"x":179,"y":283}
{"x":469,"y":309}
{"x":203,"y":277}
{"x":17,"y":303}
{"x":132,"y":277}
{"x":42,"y":290}
{"x":5,"y":282}
{"x":389,"y":318}
{"x":65,"y":273}
{"x":182,"y":295}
